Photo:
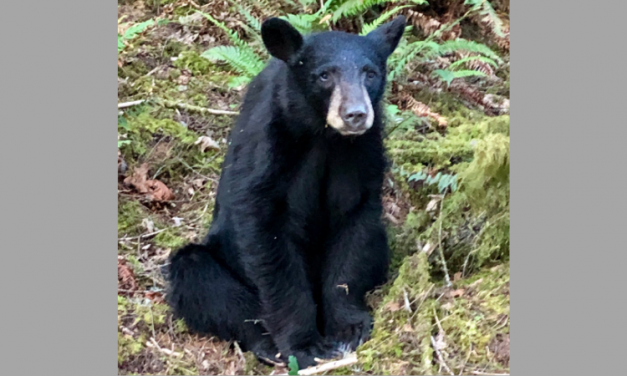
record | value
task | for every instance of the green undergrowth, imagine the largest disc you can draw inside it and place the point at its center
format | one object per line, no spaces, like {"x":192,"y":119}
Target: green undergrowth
{"x":473,"y":223}
{"x":467,"y":322}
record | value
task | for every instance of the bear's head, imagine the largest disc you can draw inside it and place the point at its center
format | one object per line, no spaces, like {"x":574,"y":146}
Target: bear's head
{"x":341,"y":75}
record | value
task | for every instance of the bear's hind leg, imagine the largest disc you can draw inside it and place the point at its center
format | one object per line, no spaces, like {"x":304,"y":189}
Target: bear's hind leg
{"x":211,"y":301}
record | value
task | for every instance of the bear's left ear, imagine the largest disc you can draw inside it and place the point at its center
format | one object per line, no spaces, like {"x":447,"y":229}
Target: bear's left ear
{"x":388,"y":35}
{"x":280,"y":38}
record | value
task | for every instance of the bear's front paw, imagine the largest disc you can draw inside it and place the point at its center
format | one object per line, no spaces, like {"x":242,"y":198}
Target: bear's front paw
{"x":350,"y":330}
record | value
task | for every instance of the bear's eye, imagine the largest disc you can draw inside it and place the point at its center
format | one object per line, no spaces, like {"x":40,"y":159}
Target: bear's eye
{"x":324,"y":76}
{"x":371,"y":74}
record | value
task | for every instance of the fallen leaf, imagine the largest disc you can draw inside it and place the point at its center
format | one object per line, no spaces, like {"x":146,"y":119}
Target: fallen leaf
{"x":154,"y":189}
{"x":159,"y":191}
{"x":126,"y":277}
{"x":206,"y":142}
{"x":154,"y":296}
{"x":138,"y":179}
{"x":457,"y":276}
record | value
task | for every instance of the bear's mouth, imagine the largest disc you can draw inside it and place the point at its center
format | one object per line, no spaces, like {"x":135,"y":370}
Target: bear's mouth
{"x":351,"y":132}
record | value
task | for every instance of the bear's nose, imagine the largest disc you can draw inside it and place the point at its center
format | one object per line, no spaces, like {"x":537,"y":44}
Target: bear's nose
{"x":355,"y":115}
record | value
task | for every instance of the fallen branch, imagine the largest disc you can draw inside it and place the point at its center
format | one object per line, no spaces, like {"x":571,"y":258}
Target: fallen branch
{"x":189,"y":107}
{"x":184,"y":106}
{"x":154,"y":345}
{"x":351,"y":359}
{"x":129,"y":104}
{"x":141,"y":236}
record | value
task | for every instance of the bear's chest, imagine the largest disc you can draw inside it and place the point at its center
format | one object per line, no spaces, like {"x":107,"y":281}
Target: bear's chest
{"x":327,"y":186}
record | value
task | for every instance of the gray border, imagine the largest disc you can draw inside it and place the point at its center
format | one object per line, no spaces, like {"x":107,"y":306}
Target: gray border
{"x":58,"y":187}
{"x":565,"y":155}
{"x":57,"y":107}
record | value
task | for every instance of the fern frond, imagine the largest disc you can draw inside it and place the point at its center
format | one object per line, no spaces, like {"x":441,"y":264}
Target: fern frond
{"x":235,"y":39}
{"x":469,"y":46}
{"x":252,"y":21}
{"x":406,"y":54}
{"x":472,"y":58}
{"x":381,"y":19}
{"x":241,"y":60}
{"x":355,"y":7}
{"x":491,"y":19}
{"x":306,"y":3}
{"x":304,"y":23}
{"x":477,"y":63}
{"x":422,"y":110}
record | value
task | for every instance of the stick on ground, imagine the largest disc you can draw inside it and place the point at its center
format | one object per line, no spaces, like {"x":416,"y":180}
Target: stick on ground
{"x":351,"y":359}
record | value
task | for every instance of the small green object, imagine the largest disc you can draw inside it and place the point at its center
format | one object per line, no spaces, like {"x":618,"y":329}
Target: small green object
{"x":293,"y":365}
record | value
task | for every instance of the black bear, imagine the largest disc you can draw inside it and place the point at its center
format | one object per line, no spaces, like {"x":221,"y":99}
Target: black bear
{"x":297,"y":238}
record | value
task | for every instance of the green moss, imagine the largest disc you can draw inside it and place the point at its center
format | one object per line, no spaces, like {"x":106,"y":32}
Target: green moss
{"x":128,"y":346}
{"x":472,"y":321}
{"x":173,"y":48}
{"x":130,"y":216}
{"x":133,"y":69}
{"x":170,"y":238}
{"x":193,"y":62}
{"x":400,"y":343}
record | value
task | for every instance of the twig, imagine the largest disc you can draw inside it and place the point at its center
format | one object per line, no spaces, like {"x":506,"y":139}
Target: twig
{"x":189,"y":107}
{"x":143,"y":235}
{"x":440,"y":359}
{"x":129,"y":104}
{"x":444,"y":268}
{"x":153,"y":344}
{"x":351,"y":359}
{"x":184,"y":106}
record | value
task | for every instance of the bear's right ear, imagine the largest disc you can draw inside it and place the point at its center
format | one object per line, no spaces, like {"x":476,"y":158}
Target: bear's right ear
{"x":280,"y":38}
{"x":388,"y":35}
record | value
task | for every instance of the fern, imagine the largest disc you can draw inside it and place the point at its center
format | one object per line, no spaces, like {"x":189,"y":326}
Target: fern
{"x":235,"y":39}
{"x":253,"y":22}
{"x":380,"y":20}
{"x":356,"y":7}
{"x":304,"y":23}
{"x":408,"y":53}
{"x":491,"y":19}
{"x":472,"y":58}
{"x":444,"y":181}
{"x":469,"y":46}
{"x":308,"y":23}
{"x":243,"y":61}
{"x":240,"y":57}
{"x":448,"y":76}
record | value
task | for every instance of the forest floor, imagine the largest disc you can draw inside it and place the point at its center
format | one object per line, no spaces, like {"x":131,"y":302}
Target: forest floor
{"x":170,"y":154}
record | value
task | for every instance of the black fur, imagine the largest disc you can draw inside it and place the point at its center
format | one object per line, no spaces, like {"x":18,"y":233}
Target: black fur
{"x":297,"y":239}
